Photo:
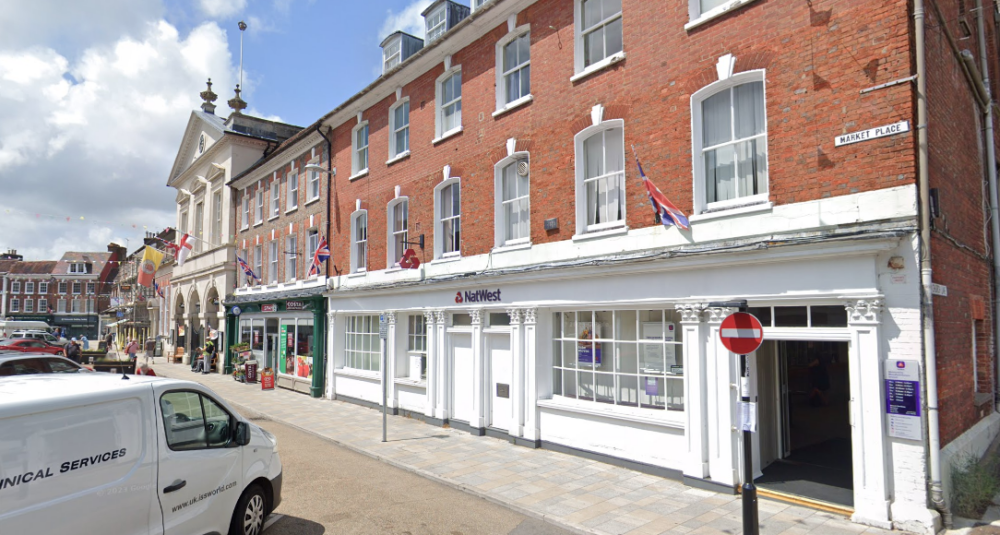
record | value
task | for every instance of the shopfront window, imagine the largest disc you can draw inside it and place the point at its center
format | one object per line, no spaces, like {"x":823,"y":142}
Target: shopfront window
{"x":257,"y":341}
{"x":304,"y":349}
{"x":361,"y":349}
{"x":631,"y":358}
{"x":295,"y":347}
{"x":416,"y":345}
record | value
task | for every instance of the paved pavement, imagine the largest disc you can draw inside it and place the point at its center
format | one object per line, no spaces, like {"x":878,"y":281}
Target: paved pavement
{"x":582,"y":495}
{"x":330,"y":489}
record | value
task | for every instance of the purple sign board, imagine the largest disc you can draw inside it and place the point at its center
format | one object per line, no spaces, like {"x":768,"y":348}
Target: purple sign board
{"x":902,"y":399}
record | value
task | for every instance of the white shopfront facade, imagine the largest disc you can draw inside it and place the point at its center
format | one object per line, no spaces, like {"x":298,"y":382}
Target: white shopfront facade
{"x":622,"y":359}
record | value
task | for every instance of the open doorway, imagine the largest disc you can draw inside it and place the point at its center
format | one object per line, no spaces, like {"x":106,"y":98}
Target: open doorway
{"x":804,"y":396}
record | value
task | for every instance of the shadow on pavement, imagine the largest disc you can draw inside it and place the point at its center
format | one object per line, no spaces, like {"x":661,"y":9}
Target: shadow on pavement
{"x":293,"y":525}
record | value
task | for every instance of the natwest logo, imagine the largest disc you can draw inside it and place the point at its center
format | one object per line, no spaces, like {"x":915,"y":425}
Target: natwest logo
{"x":478,"y":296}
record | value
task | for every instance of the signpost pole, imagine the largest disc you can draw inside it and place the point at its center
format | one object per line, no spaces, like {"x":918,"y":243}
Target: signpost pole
{"x":383,"y":334}
{"x":749,"y":490}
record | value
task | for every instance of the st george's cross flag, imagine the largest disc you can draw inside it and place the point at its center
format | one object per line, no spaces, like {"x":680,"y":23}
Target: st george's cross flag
{"x":669,"y":214}
{"x":322,"y":255}
{"x":182,"y":249}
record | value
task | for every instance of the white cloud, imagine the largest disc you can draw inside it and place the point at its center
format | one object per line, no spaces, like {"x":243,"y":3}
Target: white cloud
{"x":408,"y":20}
{"x":95,"y":136}
{"x":222,"y":9}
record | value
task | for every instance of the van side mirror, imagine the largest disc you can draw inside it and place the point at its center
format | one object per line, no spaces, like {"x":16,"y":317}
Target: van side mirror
{"x":242,"y":433}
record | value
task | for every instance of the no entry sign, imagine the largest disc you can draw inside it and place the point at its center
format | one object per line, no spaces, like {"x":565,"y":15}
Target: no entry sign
{"x":741,"y":333}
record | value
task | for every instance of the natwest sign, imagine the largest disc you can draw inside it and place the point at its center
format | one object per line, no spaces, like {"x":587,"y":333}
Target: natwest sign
{"x":478,"y":296}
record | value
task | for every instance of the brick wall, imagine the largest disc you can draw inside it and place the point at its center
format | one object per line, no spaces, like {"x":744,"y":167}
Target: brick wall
{"x":816,"y":59}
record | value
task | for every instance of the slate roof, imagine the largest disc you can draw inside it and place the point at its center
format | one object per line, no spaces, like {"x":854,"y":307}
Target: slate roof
{"x":43,"y":267}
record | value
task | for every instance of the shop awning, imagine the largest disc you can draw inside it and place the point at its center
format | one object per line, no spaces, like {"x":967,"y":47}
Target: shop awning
{"x":298,"y":293}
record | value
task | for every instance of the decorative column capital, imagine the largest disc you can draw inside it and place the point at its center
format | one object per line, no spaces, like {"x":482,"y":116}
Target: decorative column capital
{"x":529,"y":315}
{"x":717,"y":314}
{"x":690,"y":313}
{"x":441,"y":316}
{"x":429,"y":316}
{"x":865,"y":310}
{"x":515,"y":315}
{"x":390,"y":316}
{"x":477,"y":316}
{"x":330,"y":316}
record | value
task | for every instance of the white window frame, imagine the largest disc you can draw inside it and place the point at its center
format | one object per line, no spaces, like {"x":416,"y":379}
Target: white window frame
{"x":500,"y":214}
{"x":698,"y":17}
{"x":76,"y":306}
{"x":90,"y":288}
{"x":581,"y":69}
{"x":217,"y":218}
{"x":359,"y":247}
{"x":433,"y":33}
{"x":312,"y":243}
{"x":581,"y":191}
{"x":259,"y":211}
{"x":440,"y":133}
{"x":15,"y":287}
{"x":15,"y":305}
{"x":61,"y":306}
{"x":313,"y":185}
{"x":394,"y":58}
{"x":29,"y":305}
{"x":361,"y":343}
{"x":245,"y":213}
{"x":292,"y":178}
{"x":43,"y":287}
{"x":700,"y":188}
{"x":477,"y":4}
{"x":391,"y":233}
{"x":273,"y":258}
{"x":394,"y":152}
{"x":258,"y":260}
{"x":356,"y":164}
{"x":199,"y":225}
{"x":43,"y":305}
{"x":291,"y":257}
{"x":63,"y":287}
{"x":416,"y":342}
{"x":503,"y":103}
{"x":439,"y":224}
{"x":29,"y":287}
{"x":275,"y":198}
{"x":77,"y":288}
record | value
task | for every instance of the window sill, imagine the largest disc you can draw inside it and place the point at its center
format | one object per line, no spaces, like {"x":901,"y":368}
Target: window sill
{"x":272,"y":218}
{"x":716,"y":13}
{"x":513,"y":105}
{"x":600,"y":65}
{"x":453,"y":257}
{"x":601,"y":234}
{"x":255,"y":225}
{"x":360,"y":374}
{"x":410,"y":382}
{"x":245,"y":227}
{"x":310,"y":201}
{"x":359,"y":174}
{"x":399,"y":157}
{"x":742,"y":210}
{"x":512,"y":247}
{"x":606,"y":410}
{"x":451,"y":133}
{"x":357,"y":274}
{"x":292,"y":209}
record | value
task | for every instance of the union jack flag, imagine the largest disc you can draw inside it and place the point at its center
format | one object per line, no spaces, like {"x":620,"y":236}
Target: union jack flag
{"x":669,"y":214}
{"x":157,"y":289}
{"x":246,"y":269}
{"x":322,"y":255}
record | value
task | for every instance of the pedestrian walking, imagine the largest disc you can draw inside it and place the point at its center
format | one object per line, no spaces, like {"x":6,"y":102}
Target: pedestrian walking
{"x":73,"y":351}
{"x":132,"y":349}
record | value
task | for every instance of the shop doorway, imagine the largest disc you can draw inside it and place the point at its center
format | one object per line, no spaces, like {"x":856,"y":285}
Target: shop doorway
{"x":501,"y":409}
{"x":805,"y":432}
{"x":463,"y":377}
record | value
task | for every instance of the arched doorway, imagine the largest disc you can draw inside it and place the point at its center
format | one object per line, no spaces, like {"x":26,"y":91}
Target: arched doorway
{"x":212,"y":303}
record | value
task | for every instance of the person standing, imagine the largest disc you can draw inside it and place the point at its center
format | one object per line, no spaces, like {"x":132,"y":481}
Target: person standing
{"x":108,"y":340}
{"x":73,"y":351}
{"x":209,"y":355}
{"x":132,"y":349}
{"x":84,"y":343}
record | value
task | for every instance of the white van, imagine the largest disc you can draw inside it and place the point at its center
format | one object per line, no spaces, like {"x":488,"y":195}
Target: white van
{"x":96,"y":453}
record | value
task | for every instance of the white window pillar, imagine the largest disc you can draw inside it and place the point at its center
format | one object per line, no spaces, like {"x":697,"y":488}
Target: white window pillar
{"x":871,"y":501}
{"x":530,"y":376}
{"x":695,"y":391}
{"x":442,"y":404}
{"x":478,"y":421}
{"x":430,"y":324}
{"x":721,"y":389}
{"x":331,"y":350}
{"x":390,"y":359}
{"x":517,"y":386}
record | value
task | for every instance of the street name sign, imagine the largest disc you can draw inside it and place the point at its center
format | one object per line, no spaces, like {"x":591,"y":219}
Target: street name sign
{"x":872,"y":133}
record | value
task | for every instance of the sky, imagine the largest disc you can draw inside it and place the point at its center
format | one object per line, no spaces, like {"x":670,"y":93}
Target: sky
{"x":95,"y":95}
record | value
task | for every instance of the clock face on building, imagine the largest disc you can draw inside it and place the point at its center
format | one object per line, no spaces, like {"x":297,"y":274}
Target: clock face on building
{"x":201,"y":144}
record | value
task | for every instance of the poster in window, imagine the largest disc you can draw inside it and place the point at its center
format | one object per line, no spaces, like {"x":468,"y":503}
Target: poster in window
{"x":181,"y":330}
{"x":653,"y":354}
{"x":589,"y":352}
{"x":282,"y":348}
{"x":652,"y":386}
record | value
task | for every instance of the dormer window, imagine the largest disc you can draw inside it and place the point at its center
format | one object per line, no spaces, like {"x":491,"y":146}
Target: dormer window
{"x":476,"y":4}
{"x":78,"y":267}
{"x":436,"y":22}
{"x":392,"y":54}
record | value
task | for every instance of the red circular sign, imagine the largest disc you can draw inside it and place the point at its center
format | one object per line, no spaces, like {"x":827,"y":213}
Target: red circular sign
{"x":741,"y":333}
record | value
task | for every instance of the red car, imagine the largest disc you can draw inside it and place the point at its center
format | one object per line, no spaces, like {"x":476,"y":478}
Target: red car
{"x":30,"y":345}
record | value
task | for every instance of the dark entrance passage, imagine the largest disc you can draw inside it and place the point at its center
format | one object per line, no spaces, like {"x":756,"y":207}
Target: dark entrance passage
{"x":811,"y":430}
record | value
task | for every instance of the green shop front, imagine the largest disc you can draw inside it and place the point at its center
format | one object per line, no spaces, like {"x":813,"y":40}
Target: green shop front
{"x":285,"y":331}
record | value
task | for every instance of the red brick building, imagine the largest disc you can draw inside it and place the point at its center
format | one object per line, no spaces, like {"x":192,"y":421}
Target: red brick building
{"x":551,"y":308}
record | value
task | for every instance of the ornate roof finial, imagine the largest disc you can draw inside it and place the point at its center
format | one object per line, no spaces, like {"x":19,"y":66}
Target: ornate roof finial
{"x":209,"y":97}
{"x":237,"y":103}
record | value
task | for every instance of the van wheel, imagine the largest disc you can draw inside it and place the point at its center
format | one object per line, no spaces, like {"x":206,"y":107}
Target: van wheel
{"x":248,"y":518}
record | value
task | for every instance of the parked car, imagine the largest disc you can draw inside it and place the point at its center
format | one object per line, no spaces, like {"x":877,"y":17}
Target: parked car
{"x":30,"y":345}
{"x":93,"y":453}
{"x":18,"y":363}
{"x":40,"y":335}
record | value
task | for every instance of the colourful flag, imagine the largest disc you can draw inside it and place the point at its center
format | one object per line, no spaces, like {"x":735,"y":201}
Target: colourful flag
{"x":151,"y":259}
{"x":157,"y":289}
{"x":669,"y":214}
{"x":182,"y":249}
{"x":322,"y":255}
{"x":246,"y":269}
